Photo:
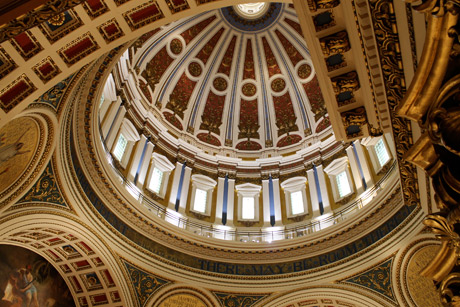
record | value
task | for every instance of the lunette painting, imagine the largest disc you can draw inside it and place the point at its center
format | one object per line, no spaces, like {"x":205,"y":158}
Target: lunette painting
{"x":27,"y":279}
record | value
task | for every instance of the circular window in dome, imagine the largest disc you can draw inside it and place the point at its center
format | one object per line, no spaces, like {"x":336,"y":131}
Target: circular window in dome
{"x":251,"y":10}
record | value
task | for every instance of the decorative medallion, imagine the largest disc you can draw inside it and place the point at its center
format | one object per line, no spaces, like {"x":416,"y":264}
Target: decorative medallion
{"x":248,"y":145}
{"x":289,"y":140}
{"x":278,"y":85}
{"x":246,"y":24}
{"x":304,"y":71}
{"x":249,"y":89}
{"x":183,"y":299}
{"x":176,"y":46}
{"x":208,"y":138}
{"x":220,"y":84}
{"x":18,"y":144}
{"x":195,"y":69}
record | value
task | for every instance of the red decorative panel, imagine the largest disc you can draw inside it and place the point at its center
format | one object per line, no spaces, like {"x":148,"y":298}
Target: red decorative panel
{"x":180,"y":96}
{"x":53,"y":255}
{"x":83,"y":301}
{"x":65,"y":268}
{"x":78,"y":49}
{"x":120,"y":2}
{"x":226,"y":63}
{"x":323,"y":124}
{"x":98,"y":299}
{"x":81,"y":265}
{"x":211,"y":119}
{"x":249,"y":119}
{"x":46,"y":69}
{"x":170,"y":117}
{"x":108,"y":278}
{"x":60,"y":25}
{"x":110,"y":30}
{"x":206,"y":51}
{"x":156,"y":67}
{"x":115,"y":296}
{"x":143,"y":14}
{"x":192,"y":32}
{"x":85,"y":248}
{"x":208,"y":138}
{"x":315,"y":98}
{"x":15,"y":92}
{"x":6,"y":63}
{"x":289,"y":140}
{"x":294,"y":25}
{"x":177,"y":5}
{"x":272,"y":64}
{"x":248,"y":145}
{"x":97,"y":261}
{"x":285,"y":116}
{"x":248,"y":72}
{"x":95,"y":8}
{"x":292,"y":52}
{"x":26,"y":44}
{"x":75,"y":284}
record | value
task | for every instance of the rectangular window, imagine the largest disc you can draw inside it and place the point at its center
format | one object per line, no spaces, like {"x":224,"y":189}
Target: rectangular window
{"x":247,"y":210}
{"x":381,"y":152}
{"x":297,"y":203}
{"x":343,"y":185}
{"x":155,"y":183}
{"x":200,"y":200}
{"x":120,"y":148}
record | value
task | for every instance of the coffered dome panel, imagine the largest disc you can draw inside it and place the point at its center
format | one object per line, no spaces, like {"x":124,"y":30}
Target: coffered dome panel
{"x":244,"y":83}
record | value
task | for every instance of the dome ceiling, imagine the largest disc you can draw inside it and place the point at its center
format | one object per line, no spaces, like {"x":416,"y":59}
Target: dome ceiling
{"x":233,"y":78}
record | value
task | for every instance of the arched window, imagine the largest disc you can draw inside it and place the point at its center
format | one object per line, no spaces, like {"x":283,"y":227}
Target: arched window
{"x":248,"y":201}
{"x":340,"y":178}
{"x":295,"y":196}
{"x":158,"y":178}
{"x":202,"y":191}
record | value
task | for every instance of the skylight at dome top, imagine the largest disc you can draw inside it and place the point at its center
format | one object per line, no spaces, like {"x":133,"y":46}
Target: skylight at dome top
{"x":251,"y":10}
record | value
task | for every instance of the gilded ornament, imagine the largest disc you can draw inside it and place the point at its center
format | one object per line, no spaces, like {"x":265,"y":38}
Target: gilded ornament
{"x":278,"y":85}
{"x":220,"y":84}
{"x":249,"y":89}
{"x":176,"y":46}
{"x":195,"y":69}
{"x":314,"y":5}
{"x":304,"y":71}
{"x":335,"y":43}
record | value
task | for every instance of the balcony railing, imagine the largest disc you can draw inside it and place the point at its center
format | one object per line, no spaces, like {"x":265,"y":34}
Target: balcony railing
{"x":257,"y":235}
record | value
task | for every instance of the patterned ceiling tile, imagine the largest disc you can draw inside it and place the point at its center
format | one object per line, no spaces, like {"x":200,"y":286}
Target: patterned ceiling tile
{"x":78,"y":49}
{"x":196,"y":29}
{"x":211,"y":119}
{"x":60,"y":25}
{"x":46,"y":69}
{"x":226,"y":63}
{"x":6,"y":63}
{"x":249,"y":72}
{"x":177,"y":5}
{"x":315,"y":97}
{"x":143,"y":15}
{"x":295,"y":25}
{"x":95,"y":8}
{"x":180,"y":96}
{"x":292,"y":52}
{"x":144,"y":283}
{"x":46,"y":189}
{"x":156,"y":67}
{"x":272,"y":63}
{"x":285,"y":115}
{"x":26,"y":44}
{"x":207,"y":50}
{"x":239,"y":299}
{"x":377,"y":279}
{"x":15,"y":92}
{"x":110,"y":30}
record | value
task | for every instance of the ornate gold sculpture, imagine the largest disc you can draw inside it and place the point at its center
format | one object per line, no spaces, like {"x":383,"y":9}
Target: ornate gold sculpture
{"x":335,"y":43}
{"x":433,"y":99}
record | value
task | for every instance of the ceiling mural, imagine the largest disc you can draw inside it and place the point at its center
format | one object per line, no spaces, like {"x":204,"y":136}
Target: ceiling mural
{"x":233,"y":79}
